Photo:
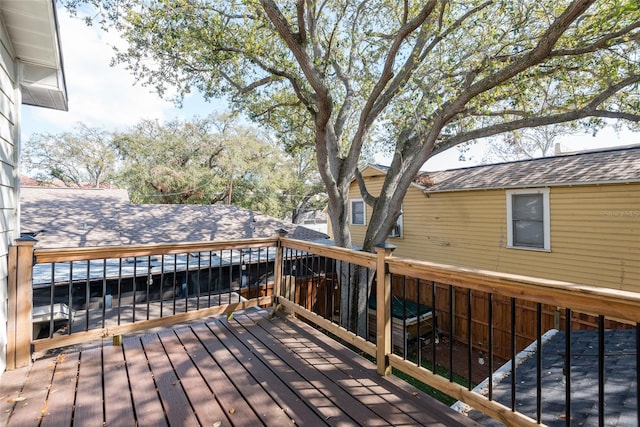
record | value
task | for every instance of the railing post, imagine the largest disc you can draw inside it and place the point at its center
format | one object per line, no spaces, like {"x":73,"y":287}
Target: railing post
{"x":278,"y":267}
{"x":20,"y":302}
{"x":383,"y":309}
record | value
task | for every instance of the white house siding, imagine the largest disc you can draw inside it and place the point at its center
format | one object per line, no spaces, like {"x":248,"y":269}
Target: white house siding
{"x":9,"y":143}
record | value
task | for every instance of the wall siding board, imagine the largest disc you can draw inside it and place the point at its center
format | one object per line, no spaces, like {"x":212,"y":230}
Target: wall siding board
{"x":9,"y":113}
{"x":594,"y":231}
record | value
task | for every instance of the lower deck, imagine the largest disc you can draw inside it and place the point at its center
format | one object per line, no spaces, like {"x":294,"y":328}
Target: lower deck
{"x":248,"y":370}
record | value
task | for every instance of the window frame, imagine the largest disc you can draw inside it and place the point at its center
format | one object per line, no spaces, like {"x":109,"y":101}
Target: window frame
{"x":546,"y":218}
{"x":364,"y":212}
{"x":400,"y":226}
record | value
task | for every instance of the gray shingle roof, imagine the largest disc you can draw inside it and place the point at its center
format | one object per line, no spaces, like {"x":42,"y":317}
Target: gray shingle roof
{"x":620,"y":381}
{"x":79,"y":217}
{"x":617,"y":165}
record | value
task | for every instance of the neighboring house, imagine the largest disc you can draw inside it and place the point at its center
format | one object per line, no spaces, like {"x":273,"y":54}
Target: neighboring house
{"x":31,"y":73}
{"x":74,"y":217}
{"x":572,"y":217}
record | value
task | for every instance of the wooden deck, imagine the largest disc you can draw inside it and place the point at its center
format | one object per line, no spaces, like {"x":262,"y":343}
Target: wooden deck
{"x":248,"y":371}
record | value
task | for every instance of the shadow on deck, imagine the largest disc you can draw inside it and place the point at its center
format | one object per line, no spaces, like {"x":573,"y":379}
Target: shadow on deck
{"x":251,"y":370}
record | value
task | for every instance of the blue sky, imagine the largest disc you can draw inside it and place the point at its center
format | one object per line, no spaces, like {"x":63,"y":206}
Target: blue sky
{"x":106,"y":97}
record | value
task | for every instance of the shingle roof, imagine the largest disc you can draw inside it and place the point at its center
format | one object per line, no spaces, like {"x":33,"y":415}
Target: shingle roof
{"x":80,"y":217}
{"x":620,"y":381}
{"x":616,"y":165}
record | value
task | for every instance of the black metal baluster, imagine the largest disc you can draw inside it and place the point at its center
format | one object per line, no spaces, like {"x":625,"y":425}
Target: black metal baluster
{"x":419,"y":335}
{"x":104,"y":291}
{"x":87,"y":295}
{"x":539,"y":363}
{"x":490,"y":344}
{"x":404,"y":315}
{"x":186,"y":285}
{"x":451,"y":331}
{"x":149,"y":282}
{"x":567,"y":363}
{"x":209,"y":278}
{"x":161,"y":286}
{"x":469,"y":340}
{"x":638,"y":372}
{"x":513,"y":354}
{"x":175,"y":281}
{"x":601,"y":378}
{"x":434,"y":328}
{"x":219,"y":284}
{"x":52,"y":299}
{"x":70,"y":290}
{"x":198,"y":281}
{"x":135,"y":267}
{"x":119,"y":287}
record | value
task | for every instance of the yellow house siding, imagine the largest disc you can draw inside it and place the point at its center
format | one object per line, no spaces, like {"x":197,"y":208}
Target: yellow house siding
{"x":595,"y":233}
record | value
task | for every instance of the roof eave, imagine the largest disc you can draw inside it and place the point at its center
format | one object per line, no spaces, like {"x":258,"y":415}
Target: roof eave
{"x":533,"y":185}
{"x":34,"y":32}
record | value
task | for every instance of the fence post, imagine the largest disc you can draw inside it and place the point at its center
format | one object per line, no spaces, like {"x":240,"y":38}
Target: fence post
{"x":20,"y":301}
{"x":383,"y":308}
{"x":278,"y":267}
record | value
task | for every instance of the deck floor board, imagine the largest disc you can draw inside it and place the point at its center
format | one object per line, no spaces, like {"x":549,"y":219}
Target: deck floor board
{"x":249,"y":370}
{"x":117,"y":395}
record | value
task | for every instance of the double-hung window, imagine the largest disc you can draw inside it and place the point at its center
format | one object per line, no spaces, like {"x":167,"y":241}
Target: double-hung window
{"x":358,"y":213}
{"x":528,"y":224}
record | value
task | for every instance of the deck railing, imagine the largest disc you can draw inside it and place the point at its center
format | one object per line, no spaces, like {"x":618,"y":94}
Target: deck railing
{"x":428,"y":312}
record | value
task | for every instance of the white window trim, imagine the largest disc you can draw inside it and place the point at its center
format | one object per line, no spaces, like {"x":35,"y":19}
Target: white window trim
{"x":364,"y":211}
{"x":546,"y":218}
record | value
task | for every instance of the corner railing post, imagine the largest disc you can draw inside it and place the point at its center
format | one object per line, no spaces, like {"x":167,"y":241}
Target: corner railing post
{"x":278,"y":267}
{"x":383,"y":309}
{"x":20,"y":301}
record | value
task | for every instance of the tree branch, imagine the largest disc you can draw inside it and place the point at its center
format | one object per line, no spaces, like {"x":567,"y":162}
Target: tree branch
{"x":368,"y":198}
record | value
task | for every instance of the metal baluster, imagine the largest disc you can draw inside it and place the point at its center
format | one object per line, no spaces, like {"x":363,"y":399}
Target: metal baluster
{"x":539,"y":363}
{"x":469,"y":340}
{"x":513,"y":354}
{"x":601,"y":378}
{"x":451,"y":331}
{"x":567,"y":362}
{"x":490,"y":344}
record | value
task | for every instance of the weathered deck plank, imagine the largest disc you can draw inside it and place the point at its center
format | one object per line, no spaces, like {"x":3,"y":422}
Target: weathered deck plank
{"x":149,"y":410}
{"x":174,"y":400}
{"x":337,"y":405}
{"x":62,"y":391}
{"x":251,"y":370}
{"x":198,"y":392}
{"x":117,"y":395}
{"x":89,"y":391}
{"x":230,"y":401}
{"x":30,"y":404}
{"x":254,"y":381}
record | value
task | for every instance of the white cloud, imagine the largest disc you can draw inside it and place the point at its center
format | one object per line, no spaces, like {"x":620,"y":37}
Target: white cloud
{"x":100,"y":95}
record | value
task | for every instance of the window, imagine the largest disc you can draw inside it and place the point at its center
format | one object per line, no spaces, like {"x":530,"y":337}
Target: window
{"x":396,"y":231}
{"x":358,"y":213}
{"x":528,"y":219}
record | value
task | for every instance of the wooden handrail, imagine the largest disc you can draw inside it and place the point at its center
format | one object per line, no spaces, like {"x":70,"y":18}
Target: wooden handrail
{"x":616,"y":304}
{"x":360,"y":258}
{"x":43,"y":256}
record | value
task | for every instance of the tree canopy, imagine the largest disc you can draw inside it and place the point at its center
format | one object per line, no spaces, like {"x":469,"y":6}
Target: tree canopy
{"x":419,"y":76}
{"x":208,"y":160}
{"x":75,"y":158}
